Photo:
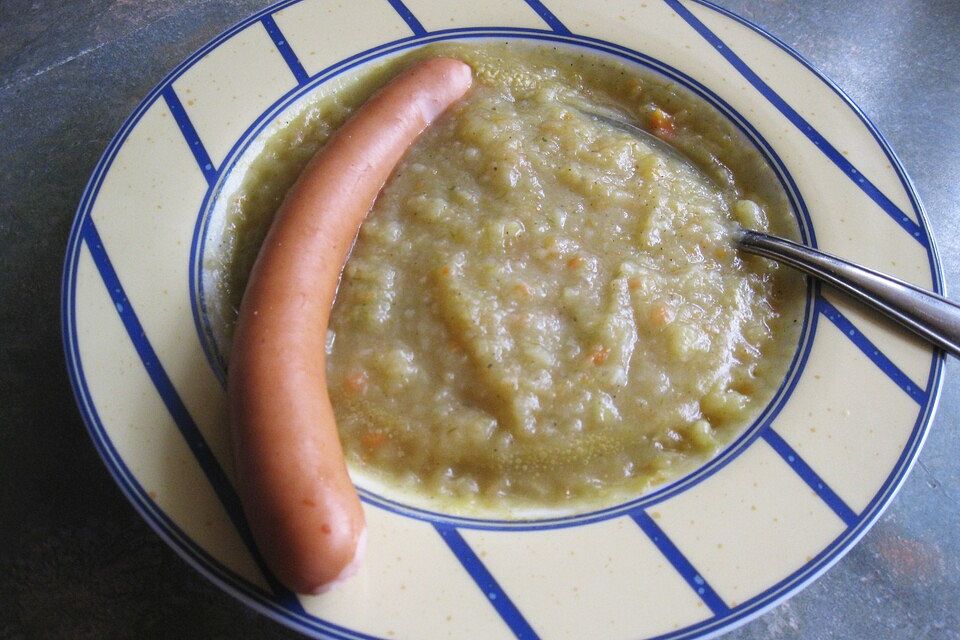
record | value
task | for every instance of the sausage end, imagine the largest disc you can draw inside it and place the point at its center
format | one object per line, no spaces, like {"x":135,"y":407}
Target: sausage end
{"x":348,"y":571}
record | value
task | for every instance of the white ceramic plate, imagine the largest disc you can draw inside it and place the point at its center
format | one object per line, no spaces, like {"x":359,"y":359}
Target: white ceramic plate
{"x":693,"y":559}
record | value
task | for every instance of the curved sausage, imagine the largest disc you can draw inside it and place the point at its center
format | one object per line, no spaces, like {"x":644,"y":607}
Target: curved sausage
{"x":292,"y":478}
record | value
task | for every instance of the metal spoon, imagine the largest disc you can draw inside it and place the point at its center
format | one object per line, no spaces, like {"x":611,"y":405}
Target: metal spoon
{"x":927,"y":314}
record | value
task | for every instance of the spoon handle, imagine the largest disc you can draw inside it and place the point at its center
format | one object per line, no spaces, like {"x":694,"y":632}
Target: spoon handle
{"x":931,"y":316}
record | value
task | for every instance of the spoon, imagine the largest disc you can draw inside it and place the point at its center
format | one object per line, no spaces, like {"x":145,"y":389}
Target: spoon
{"x":931,"y":316}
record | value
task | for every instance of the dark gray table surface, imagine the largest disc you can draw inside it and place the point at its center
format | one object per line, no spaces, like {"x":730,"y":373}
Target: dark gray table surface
{"x":77,"y":562}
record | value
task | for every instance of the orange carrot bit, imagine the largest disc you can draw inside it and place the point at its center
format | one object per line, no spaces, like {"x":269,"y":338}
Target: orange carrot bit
{"x":600,"y":355}
{"x":634,"y":283}
{"x":662,"y":123}
{"x":444,"y":271}
{"x":661,"y":316}
{"x":372,"y":440}
{"x":575,"y":262}
{"x":356,"y":381}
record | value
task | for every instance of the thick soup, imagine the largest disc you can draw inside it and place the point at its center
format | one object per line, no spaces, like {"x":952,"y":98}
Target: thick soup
{"x":542,"y":310}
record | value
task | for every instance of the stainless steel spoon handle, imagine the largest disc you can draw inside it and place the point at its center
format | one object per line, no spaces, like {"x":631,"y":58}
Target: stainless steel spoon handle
{"x":929,"y":315}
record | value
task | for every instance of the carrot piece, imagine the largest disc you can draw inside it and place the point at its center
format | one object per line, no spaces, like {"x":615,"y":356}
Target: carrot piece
{"x":662,"y":123}
{"x":600,"y":355}
{"x":372,"y":440}
{"x":356,"y":381}
{"x":661,"y":315}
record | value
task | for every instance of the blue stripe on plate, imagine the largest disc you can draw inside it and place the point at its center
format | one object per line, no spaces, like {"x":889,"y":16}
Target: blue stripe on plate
{"x":485,"y":580}
{"x":191,"y":433}
{"x":871,"y":351}
{"x":809,"y":476}
{"x":270,"y":25}
{"x":914,"y":229}
{"x":189,"y":133}
{"x":680,"y":562}
{"x":547,"y":16}
{"x":404,"y":12}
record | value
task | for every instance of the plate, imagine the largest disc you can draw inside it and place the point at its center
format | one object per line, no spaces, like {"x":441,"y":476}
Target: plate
{"x":690,"y":560}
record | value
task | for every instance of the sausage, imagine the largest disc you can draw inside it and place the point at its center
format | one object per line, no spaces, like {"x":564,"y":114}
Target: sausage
{"x":291,"y":475}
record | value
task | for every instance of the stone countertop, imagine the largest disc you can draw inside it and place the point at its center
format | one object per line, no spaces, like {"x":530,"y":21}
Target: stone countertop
{"x":77,"y":562}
